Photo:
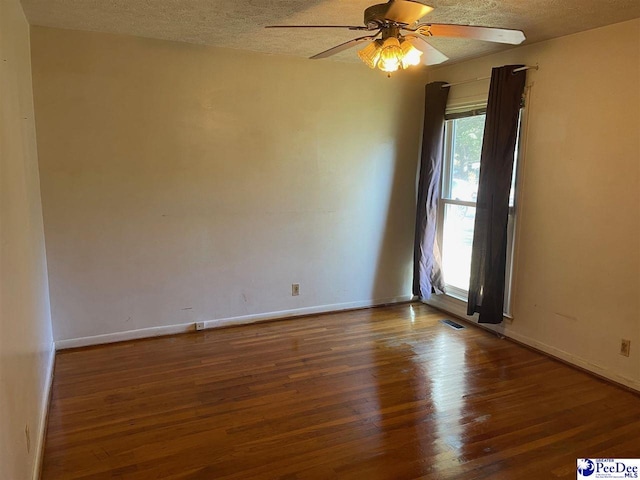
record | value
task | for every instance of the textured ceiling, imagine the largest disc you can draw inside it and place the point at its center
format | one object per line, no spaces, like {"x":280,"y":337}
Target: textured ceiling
{"x":240,"y":24}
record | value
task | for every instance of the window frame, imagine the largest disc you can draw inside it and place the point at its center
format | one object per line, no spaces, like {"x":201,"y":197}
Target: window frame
{"x":443,"y":201}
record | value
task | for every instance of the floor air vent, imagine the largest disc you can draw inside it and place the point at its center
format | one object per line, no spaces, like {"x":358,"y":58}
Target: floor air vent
{"x":452,"y":324}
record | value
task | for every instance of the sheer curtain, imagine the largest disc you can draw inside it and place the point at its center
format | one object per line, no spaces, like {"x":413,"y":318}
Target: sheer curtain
{"x":489,"y":253}
{"x":427,"y":273}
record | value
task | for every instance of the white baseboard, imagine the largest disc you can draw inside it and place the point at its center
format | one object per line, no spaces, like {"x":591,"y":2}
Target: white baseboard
{"x":44,"y":414}
{"x":122,"y":336}
{"x":223,"y":322}
{"x":575,"y":360}
{"x":458,"y":309}
{"x":451,"y":305}
{"x":337,"y":307}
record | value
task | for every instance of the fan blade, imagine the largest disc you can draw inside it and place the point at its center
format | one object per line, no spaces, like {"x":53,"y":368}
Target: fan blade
{"x":430,"y":54}
{"x":406,"y":11}
{"x":488,"y":34}
{"x":344,"y":46}
{"x":350,"y":27}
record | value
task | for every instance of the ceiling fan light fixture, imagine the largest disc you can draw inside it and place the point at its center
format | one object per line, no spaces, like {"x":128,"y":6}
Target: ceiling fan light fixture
{"x":410,"y":54}
{"x":371,"y":53}
{"x":390,"y":55}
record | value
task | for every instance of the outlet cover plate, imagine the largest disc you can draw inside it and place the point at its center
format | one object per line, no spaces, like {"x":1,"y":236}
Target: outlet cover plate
{"x":625,"y":347}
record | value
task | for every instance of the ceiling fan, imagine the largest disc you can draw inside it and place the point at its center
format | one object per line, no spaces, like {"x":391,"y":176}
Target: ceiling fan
{"x":390,"y":48}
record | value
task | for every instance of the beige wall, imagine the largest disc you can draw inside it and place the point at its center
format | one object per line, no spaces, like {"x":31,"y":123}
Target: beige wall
{"x":184,"y":183}
{"x":578,"y":250}
{"x":25,"y":323}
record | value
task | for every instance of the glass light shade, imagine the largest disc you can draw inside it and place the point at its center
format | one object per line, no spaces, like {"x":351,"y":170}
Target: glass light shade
{"x":411,"y":55}
{"x":390,"y":55}
{"x":371,"y":53}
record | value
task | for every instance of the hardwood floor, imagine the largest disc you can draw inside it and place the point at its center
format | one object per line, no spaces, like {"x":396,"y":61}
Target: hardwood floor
{"x":386,"y":393}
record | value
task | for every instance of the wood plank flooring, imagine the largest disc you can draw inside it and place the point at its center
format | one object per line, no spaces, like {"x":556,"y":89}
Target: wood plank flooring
{"x":385,"y":393}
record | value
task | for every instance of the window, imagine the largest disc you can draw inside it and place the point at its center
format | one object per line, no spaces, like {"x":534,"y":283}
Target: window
{"x":457,"y":206}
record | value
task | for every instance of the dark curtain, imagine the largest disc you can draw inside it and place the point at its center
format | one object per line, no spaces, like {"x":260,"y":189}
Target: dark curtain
{"x":489,"y":254}
{"x":427,"y":273}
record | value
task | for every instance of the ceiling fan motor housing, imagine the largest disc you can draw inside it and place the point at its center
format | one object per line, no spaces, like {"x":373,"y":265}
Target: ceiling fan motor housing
{"x":395,"y":11}
{"x":375,"y":15}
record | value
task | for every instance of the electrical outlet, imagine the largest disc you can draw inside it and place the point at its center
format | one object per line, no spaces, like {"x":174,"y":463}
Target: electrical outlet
{"x":625,"y":347}
{"x":199,"y":326}
{"x":295,"y":289}
{"x":27,"y":435}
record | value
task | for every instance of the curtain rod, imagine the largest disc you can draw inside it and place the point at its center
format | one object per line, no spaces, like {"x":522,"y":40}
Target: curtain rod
{"x":516,"y":70}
